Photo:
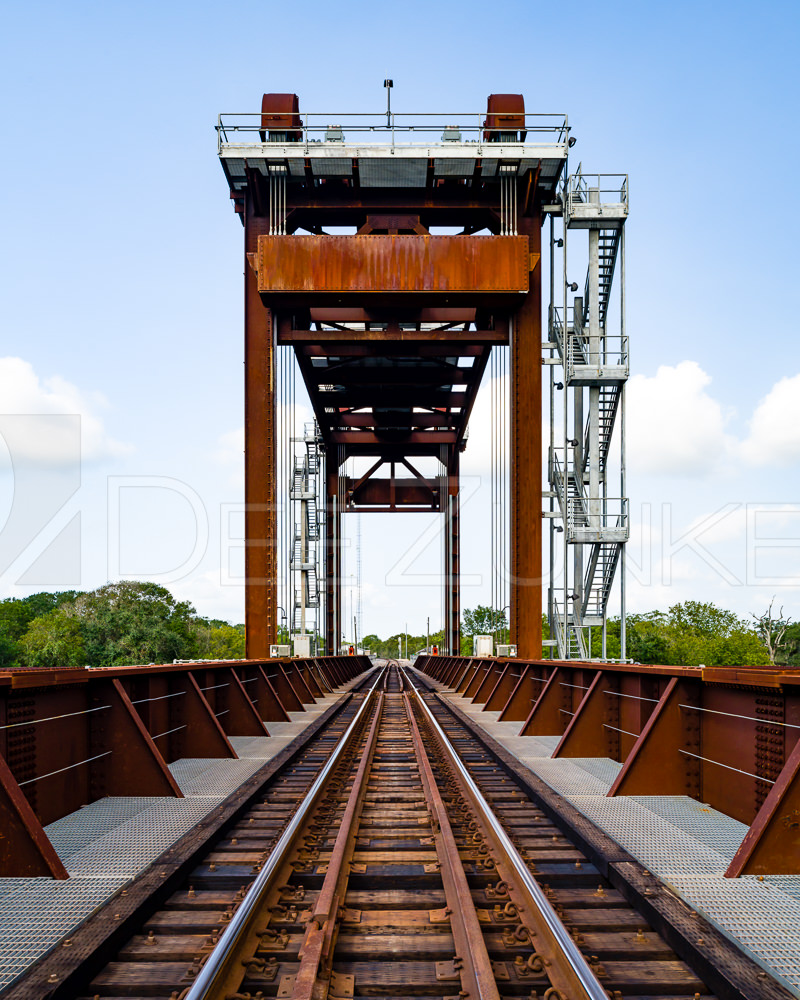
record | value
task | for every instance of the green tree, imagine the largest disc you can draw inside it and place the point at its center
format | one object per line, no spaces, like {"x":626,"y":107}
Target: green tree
{"x":692,"y":633}
{"x":54,"y":640}
{"x":16,"y":613}
{"x":131,"y":622}
{"x":484,"y":620}
{"x":218,"y":640}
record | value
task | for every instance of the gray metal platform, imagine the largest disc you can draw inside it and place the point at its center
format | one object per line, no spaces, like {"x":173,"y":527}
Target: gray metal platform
{"x":686,"y":843}
{"x":109,"y":842}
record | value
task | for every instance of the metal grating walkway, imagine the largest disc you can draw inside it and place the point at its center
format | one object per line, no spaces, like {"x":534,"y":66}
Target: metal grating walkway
{"x":686,"y":843}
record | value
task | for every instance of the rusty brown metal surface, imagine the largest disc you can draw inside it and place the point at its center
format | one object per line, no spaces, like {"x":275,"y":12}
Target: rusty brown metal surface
{"x":369,"y":264}
{"x":260,"y":456}
{"x":772,"y":844}
{"x":320,"y":935}
{"x":25,"y":849}
{"x":68,"y":738}
{"x":391,"y":927}
{"x":526,"y":462}
{"x":477,"y":975}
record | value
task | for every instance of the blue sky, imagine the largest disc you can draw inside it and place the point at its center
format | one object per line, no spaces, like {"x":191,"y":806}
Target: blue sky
{"x":120,"y":286}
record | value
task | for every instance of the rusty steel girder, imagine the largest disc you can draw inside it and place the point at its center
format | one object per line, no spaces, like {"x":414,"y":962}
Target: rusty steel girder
{"x":366,"y":265}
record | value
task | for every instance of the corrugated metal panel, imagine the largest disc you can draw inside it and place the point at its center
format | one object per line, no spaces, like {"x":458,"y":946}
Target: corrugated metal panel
{"x":333,"y":166}
{"x":296,"y":167}
{"x":388,"y":172}
{"x":488,"y":168}
{"x":235,"y":167}
{"x":322,"y":264}
{"x":453,"y":168}
{"x":260,"y":165}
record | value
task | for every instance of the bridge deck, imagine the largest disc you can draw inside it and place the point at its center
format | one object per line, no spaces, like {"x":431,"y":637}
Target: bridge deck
{"x":106,"y":844}
{"x":686,"y":843}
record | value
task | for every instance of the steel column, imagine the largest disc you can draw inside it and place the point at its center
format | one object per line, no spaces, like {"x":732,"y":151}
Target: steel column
{"x":260,"y":473}
{"x":526,"y":459}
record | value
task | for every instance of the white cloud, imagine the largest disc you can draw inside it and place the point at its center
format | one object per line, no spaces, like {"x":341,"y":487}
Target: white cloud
{"x":674,"y":427}
{"x":774,"y":437}
{"x":50,"y":439}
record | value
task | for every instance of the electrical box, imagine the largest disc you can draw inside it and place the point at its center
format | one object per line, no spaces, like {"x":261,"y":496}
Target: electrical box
{"x":506,"y":651}
{"x":483,"y":645}
{"x":302,"y":646}
{"x":279,"y":651}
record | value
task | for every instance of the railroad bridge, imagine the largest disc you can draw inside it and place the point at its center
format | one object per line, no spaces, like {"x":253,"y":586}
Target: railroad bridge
{"x":336,"y":826}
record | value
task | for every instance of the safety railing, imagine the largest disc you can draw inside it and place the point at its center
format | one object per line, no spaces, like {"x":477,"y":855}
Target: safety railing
{"x":596,"y":517}
{"x":425,"y":129}
{"x":576,"y":348}
{"x":601,"y":189}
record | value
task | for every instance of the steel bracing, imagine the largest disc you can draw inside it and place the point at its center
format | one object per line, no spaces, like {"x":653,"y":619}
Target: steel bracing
{"x":587,"y":350}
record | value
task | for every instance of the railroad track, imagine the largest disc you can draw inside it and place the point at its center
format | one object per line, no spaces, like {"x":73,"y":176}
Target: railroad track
{"x":392,"y":858}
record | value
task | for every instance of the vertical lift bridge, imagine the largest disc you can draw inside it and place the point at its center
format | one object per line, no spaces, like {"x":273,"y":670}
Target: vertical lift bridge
{"x":392,"y":255}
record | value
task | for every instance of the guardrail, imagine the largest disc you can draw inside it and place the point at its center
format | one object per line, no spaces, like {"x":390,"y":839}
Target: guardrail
{"x":425,"y":129}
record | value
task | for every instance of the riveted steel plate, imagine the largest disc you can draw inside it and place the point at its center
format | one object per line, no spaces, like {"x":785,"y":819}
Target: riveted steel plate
{"x":399,"y":264}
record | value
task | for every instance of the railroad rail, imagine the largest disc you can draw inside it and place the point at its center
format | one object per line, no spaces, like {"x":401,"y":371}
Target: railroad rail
{"x":393,"y":856}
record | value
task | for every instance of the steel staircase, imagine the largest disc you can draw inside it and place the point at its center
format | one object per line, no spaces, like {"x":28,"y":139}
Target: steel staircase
{"x":596,"y":368}
{"x":599,"y":578}
{"x":607,"y":410}
{"x":608,"y":245}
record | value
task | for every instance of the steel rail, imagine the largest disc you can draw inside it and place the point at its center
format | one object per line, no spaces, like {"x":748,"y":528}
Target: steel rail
{"x":584,"y":978}
{"x":217,"y":965}
{"x":321,"y":931}
{"x":475,"y":967}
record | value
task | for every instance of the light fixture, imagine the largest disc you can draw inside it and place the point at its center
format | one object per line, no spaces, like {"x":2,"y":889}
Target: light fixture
{"x":559,"y":243}
{"x":572,"y":286}
{"x":559,"y":385}
{"x":572,"y":141}
{"x":388,"y":84}
{"x":573,"y":442}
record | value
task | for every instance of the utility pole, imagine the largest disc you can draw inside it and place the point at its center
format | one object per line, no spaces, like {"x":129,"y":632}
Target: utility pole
{"x":428,"y":636}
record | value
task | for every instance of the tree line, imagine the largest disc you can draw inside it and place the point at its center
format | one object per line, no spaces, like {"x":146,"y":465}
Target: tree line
{"x":122,"y":623}
{"x":687,"y":634}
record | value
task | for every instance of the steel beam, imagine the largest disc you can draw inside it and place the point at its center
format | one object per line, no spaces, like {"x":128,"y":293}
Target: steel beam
{"x":526,"y":461}
{"x":368,"y":265}
{"x":260,"y":474}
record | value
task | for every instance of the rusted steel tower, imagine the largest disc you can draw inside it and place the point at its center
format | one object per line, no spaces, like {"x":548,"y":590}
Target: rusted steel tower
{"x":392,"y":253}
